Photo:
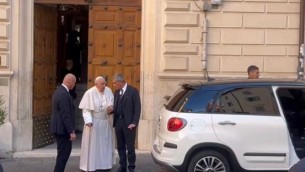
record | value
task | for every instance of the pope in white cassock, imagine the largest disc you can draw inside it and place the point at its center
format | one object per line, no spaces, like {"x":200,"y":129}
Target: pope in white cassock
{"x":97,"y":143}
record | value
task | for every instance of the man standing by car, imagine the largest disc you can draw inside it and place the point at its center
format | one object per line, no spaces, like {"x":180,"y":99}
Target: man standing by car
{"x":62,"y":121}
{"x":126,"y":115}
{"x":253,"y":72}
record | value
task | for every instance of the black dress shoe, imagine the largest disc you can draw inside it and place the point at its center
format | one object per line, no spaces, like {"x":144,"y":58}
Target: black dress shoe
{"x":121,"y":169}
{"x":131,"y":170}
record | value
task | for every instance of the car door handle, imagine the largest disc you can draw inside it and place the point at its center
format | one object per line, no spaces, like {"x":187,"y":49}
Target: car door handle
{"x":226,"y":123}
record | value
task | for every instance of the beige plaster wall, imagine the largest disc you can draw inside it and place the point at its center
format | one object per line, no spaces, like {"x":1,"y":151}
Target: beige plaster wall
{"x":240,"y":33}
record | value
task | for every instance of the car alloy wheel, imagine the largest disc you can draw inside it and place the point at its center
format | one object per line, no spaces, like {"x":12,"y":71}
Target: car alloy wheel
{"x":208,"y":161}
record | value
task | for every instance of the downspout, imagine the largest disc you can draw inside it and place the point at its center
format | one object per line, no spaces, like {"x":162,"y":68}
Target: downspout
{"x":204,"y":48}
{"x":206,"y":8}
{"x":207,"y":5}
{"x":301,"y":43}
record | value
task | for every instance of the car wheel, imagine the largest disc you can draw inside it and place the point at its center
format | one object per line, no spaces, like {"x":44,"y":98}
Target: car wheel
{"x":208,"y":161}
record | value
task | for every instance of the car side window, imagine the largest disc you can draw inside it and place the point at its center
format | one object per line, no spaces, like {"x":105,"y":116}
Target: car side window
{"x":249,"y":100}
{"x":178,"y":99}
{"x":200,"y":101}
{"x":192,"y":101}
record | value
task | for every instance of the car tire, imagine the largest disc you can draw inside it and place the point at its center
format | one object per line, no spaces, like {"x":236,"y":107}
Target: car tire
{"x":210,"y":161}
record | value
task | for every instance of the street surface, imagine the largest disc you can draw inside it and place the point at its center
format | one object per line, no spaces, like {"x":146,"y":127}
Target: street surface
{"x":46,"y":164}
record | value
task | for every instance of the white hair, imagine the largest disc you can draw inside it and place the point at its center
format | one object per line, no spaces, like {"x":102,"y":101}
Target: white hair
{"x":99,"y":78}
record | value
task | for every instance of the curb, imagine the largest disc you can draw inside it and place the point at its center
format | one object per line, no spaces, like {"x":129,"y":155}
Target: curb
{"x":53,"y":153}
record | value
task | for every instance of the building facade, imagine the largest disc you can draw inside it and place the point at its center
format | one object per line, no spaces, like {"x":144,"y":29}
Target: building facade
{"x":180,"y":40}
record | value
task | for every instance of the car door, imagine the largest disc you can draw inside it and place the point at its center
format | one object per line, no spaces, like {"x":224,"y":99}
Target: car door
{"x":247,"y":120}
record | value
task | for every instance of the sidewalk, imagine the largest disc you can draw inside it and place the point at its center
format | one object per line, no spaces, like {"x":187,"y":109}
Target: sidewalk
{"x":46,"y":164}
{"x":43,"y":160}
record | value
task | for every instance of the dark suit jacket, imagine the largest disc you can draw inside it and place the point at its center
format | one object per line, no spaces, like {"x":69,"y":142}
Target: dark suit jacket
{"x":131,"y":105}
{"x":63,"y":112}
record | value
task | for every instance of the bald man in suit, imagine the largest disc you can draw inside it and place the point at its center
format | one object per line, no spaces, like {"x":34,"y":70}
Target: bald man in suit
{"x":62,"y":121}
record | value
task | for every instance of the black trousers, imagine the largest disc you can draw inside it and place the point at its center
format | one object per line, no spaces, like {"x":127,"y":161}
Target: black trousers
{"x":64,"y":147}
{"x":125,"y":139}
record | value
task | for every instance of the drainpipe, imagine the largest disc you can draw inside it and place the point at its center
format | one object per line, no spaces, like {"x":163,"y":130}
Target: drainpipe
{"x":301,"y":43}
{"x":206,"y":8}
{"x":204,"y":48}
{"x":207,"y":5}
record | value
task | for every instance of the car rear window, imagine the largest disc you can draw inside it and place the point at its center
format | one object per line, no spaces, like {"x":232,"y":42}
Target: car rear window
{"x":191,"y":101}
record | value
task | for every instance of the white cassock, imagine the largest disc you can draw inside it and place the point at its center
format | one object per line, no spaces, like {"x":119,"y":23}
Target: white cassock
{"x":97,"y":144}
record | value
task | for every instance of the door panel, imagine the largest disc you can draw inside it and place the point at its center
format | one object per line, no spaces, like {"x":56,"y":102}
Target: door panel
{"x":257,"y":141}
{"x":114,"y":43}
{"x":45,"y":30}
{"x":248,"y":121}
{"x":44,"y":58}
{"x":105,"y":15}
{"x":105,"y":44}
{"x":117,"y":2}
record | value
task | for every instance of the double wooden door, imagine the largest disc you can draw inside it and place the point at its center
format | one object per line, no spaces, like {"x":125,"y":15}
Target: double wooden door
{"x":113,"y":47}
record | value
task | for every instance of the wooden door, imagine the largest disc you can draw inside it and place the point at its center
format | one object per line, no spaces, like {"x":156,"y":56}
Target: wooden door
{"x":44,"y":80}
{"x":114,"y":43}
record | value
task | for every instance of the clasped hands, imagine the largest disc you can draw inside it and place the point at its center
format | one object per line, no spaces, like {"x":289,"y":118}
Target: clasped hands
{"x":72,"y":136}
{"x":109,"y":109}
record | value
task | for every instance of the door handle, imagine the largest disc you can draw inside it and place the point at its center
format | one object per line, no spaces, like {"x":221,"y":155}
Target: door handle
{"x":226,"y":123}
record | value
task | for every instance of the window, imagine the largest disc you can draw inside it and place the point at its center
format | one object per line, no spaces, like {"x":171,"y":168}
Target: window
{"x":192,"y":101}
{"x":178,"y":99}
{"x":200,"y":101}
{"x":255,"y":101}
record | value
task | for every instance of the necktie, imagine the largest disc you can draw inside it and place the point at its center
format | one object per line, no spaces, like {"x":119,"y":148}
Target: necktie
{"x":121,"y":93}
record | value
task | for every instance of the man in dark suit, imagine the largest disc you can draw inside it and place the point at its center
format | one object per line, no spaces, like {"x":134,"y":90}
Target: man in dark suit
{"x":62,"y":121}
{"x":126,"y":115}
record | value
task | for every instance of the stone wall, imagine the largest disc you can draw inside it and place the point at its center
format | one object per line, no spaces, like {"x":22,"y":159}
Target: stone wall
{"x":240,"y":33}
{"x":6,"y":138}
{"x":4,"y":34}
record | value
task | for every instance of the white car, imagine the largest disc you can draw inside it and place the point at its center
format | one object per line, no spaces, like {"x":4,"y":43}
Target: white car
{"x":224,"y":126}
